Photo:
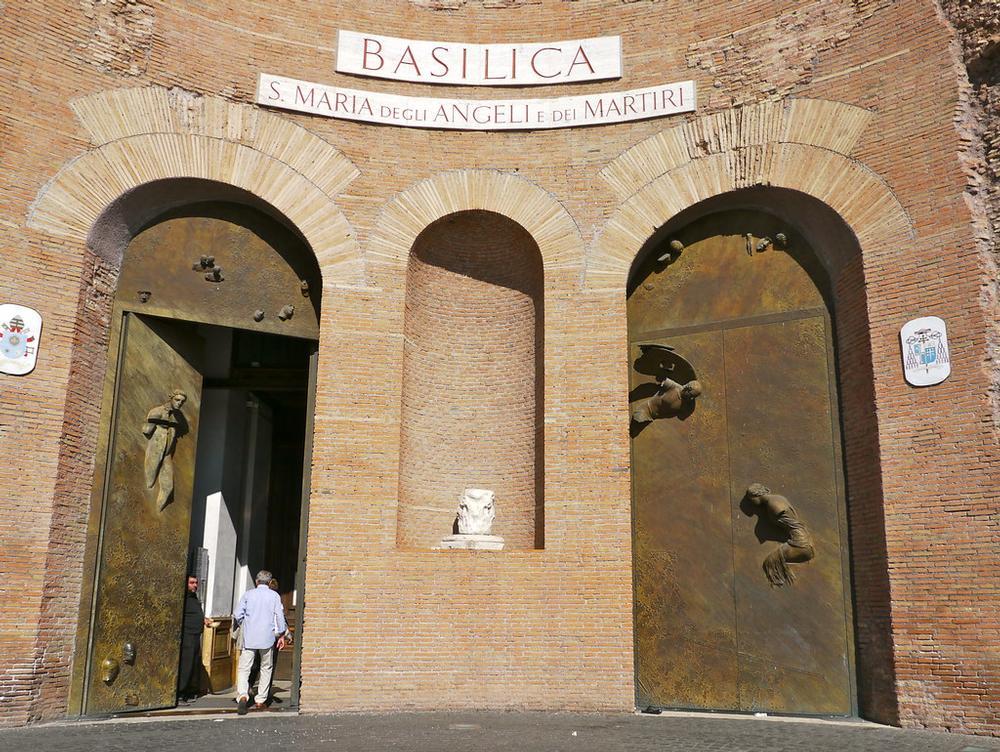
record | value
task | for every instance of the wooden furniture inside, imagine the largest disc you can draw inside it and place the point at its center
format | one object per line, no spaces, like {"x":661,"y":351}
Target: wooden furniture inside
{"x":218,"y":655}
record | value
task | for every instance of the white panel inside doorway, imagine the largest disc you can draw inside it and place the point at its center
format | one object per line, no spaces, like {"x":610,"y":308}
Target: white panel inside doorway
{"x":220,"y":541}
{"x":253,"y":530}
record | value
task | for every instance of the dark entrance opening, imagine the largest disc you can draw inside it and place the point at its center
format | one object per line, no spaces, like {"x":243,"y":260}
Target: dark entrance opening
{"x":203,"y":460}
{"x":248,"y":496}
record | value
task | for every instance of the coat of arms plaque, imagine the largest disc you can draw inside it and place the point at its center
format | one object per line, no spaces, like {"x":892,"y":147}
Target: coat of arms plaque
{"x":926,"y":360}
{"x":20,"y":329}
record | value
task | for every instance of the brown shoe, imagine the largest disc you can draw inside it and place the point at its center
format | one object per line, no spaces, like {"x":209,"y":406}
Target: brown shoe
{"x":259,"y":706}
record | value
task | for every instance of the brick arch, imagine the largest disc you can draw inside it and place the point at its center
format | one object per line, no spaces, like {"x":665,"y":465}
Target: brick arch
{"x":801,"y":150}
{"x":802,"y":145}
{"x":472,"y":370}
{"x":143,"y":135}
{"x":140,"y":140}
{"x":542,"y":224}
{"x":512,"y":196}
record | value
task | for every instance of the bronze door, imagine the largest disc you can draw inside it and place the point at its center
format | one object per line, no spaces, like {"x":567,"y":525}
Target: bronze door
{"x":712,"y":631}
{"x":138,"y":599}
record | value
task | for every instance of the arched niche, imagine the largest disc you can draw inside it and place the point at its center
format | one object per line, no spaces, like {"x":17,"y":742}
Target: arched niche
{"x":472,"y":378}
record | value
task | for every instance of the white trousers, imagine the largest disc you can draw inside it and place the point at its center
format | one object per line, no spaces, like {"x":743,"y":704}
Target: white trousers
{"x":243,"y":673}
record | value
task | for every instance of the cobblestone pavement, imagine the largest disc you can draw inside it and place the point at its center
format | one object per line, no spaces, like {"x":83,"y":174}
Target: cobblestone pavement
{"x":482,"y":732}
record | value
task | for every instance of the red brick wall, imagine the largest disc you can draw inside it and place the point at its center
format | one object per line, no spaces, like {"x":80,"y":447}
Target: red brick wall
{"x":938,"y":445}
{"x":866,"y":507}
{"x":549,"y":628}
{"x":514,"y":629}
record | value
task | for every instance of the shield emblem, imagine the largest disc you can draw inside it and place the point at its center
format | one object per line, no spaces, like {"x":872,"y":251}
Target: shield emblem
{"x":20,"y":328}
{"x":925,"y":351}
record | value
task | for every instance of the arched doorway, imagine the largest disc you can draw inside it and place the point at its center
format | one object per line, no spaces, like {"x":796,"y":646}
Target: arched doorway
{"x":742,"y":596}
{"x":202,"y":465}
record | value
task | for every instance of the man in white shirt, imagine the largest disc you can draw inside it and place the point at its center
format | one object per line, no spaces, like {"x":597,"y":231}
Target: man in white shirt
{"x":261,"y":619}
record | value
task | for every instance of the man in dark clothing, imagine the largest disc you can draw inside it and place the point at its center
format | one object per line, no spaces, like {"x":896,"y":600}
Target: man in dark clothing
{"x":194,"y":622}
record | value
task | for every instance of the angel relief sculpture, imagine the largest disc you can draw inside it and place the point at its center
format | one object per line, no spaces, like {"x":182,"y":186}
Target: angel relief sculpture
{"x":164,"y":423}
{"x":797,"y":546}
{"x":675,"y":390}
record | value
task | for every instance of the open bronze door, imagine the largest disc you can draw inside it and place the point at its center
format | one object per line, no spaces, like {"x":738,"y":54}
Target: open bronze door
{"x":134,"y":645}
{"x":742,"y":599}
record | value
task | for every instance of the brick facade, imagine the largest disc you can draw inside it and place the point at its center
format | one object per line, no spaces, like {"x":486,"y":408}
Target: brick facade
{"x":857,"y":105}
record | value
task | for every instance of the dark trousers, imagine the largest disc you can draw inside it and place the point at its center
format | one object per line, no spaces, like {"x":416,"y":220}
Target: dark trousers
{"x":190,"y":661}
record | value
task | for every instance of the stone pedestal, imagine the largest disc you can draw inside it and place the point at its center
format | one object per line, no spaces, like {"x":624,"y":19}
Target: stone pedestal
{"x":478,"y":542}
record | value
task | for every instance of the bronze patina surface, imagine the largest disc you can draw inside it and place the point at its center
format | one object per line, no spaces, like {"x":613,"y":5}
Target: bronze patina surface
{"x":226,"y":265}
{"x":744,"y":308}
{"x":794,"y":641}
{"x":685,"y":628}
{"x":143,"y":548}
{"x":212,"y":263}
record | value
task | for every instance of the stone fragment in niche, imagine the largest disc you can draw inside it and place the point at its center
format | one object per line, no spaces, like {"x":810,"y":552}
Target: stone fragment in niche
{"x":476,"y":512}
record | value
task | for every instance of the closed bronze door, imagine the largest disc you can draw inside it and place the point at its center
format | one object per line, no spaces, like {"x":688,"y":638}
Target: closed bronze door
{"x":139,"y":594}
{"x":741,"y":598}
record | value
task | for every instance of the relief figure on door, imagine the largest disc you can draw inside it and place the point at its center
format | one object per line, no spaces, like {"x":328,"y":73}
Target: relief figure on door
{"x":741,"y":598}
{"x":164,"y":424}
{"x":670,"y":398}
{"x":795,"y":542}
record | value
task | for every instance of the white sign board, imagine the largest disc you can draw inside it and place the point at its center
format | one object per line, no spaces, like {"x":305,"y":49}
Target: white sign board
{"x":20,"y":330}
{"x":926,"y":359}
{"x":459,"y":63}
{"x":475,"y":114}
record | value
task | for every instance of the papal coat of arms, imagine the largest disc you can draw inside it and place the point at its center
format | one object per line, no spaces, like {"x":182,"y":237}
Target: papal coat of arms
{"x":926,"y":359}
{"x":20,"y":328}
